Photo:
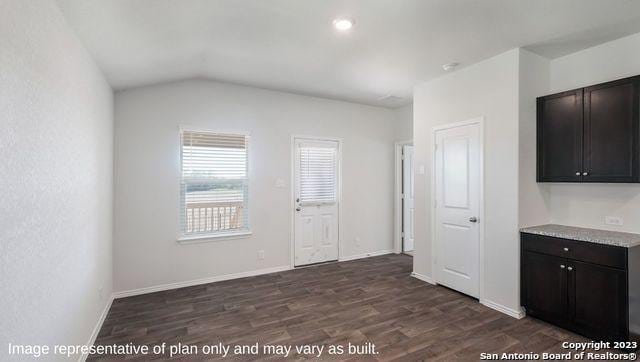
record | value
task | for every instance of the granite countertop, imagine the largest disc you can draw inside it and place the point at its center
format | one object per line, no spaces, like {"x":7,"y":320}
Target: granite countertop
{"x":615,"y":238}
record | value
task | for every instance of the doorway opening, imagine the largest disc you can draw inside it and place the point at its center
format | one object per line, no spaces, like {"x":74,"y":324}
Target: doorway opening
{"x":404,"y":187}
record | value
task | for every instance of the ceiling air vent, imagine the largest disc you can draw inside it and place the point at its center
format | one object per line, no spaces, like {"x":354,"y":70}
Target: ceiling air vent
{"x":391,"y":101}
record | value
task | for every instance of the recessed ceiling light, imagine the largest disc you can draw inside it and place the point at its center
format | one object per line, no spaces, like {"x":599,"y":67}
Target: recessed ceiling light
{"x":450,"y":66}
{"x":343,"y":23}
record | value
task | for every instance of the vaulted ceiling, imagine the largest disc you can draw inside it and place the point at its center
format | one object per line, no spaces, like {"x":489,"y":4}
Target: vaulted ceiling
{"x":291,"y":45}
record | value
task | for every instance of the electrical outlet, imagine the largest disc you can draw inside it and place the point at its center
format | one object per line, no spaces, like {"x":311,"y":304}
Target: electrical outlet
{"x":613,"y":220}
{"x":261,"y":255}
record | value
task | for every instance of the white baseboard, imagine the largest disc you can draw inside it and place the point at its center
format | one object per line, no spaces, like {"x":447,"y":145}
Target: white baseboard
{"x":189,"y":283}
{"x":423,"y":277}
{"x":366,"y":255}
{"x":162,"y":287}
{"x":96,"y":329}
{"x":518,"y":314}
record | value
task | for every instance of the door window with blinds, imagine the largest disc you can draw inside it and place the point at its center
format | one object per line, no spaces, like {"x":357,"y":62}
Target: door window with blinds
{"x":214,"y":184}
{"x":318,"y":175}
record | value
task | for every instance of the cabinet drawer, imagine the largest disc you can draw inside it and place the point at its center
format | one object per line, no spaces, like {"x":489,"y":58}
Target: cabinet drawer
{"x":546,"y":245}
{"x":612,"y":256}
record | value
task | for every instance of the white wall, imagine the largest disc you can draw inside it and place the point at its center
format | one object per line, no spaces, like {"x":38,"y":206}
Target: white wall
{"x":404,"y":122}
{"x":56,"y":181}
{"x":534,"y":198}
{"x":488,"y":89}
{"x":147,"y":177}
{"x":588,"y":204}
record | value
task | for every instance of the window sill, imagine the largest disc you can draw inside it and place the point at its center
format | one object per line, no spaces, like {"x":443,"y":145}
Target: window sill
{"x":216,"y":237}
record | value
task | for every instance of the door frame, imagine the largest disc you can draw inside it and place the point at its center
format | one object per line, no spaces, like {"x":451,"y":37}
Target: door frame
{"x":292,"y":231}
{"x":434,"y":245}
{"x":397,"y":197}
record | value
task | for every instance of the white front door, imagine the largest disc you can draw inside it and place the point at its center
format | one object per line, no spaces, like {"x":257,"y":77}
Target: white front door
{"x":316,"y":174}
{"x":457,"y":206}
{"x":407,"y":198}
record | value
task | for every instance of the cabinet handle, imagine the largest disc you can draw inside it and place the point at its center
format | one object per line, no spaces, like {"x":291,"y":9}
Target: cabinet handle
{"x":584,"y":174}
{"x":566,"y":249}
{"x":561,"y":266}
{"x":577,"y":173}
{"x":569,"y":268}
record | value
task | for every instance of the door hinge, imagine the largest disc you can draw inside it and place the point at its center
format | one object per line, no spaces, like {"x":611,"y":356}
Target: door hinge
{"x":402,"y":234}
{"x":402,"y":196}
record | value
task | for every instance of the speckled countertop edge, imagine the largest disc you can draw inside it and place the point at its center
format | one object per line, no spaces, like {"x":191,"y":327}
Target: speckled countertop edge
{"x":606,"y":237}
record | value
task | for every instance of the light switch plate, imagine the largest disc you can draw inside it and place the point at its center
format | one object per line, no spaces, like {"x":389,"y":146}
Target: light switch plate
{"x":613,"y":220}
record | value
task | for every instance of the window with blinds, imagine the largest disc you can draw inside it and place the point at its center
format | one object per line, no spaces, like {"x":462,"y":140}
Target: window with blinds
{"x":318,"y":174}
{"x":214,"y":184}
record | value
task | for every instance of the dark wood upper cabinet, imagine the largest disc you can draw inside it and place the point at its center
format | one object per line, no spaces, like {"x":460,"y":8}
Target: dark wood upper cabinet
{"x":560,"y":137}
{"x":590,"y":134}
{"x":611,"y":132}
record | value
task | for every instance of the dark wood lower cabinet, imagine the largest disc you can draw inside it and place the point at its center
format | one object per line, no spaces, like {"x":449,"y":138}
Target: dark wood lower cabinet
{"x":598,"y":299}
{"x":546,"y":285}
{"x":563,"y":283}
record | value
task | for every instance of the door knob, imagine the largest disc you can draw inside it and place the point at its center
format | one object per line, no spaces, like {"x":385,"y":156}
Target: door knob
{"x":577,"y":173}
{"x":584,"y":174}
{"x":562,"y":266}
{"x":473,"y":219}
{"x":298,"y":209}
{"x":569,"y":268}
{"x":566,"y":249}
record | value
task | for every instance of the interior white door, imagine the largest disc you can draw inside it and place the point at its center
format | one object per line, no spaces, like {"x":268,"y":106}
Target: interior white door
{"x":316,"y":174}
{"x":407,"y":198}
{"x":457,"y":194}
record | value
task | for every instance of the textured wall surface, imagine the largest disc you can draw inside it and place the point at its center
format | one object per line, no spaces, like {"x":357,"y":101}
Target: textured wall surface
{"x":148,"y":170}
{"x":587,"y":205}
{"x":487,"y":89}
{"x":56,"y":147}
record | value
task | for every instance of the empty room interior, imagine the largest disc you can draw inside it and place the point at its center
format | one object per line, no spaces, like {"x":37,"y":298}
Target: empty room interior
{"x":251,"y":180}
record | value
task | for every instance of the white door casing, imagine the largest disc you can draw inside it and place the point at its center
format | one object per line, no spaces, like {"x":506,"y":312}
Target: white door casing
{"x":316,"y":198}
{"x":407,"y":198}
{"x":457,"y":191}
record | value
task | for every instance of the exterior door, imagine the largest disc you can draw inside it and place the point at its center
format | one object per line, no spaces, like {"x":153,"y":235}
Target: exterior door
{"x":316,"y":174}
{"x":457,"y":201}
{"x":407,"y":198}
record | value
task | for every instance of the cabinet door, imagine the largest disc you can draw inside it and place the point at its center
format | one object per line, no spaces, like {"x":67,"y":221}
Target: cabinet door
{"x":611,"y":132}
{"x":598,"y":300}
{"x":559,"y":132}
{"x":545,"y":286}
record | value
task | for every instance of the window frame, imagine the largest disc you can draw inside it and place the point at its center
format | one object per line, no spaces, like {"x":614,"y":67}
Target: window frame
{"x":215,"y":236}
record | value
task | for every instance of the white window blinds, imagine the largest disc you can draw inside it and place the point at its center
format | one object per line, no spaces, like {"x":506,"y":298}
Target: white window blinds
{"x":318,"y":174}
{"x":214,"y":185}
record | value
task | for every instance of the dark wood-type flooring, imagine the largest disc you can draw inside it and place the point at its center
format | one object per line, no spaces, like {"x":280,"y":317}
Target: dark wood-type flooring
{"x":367,"y":300}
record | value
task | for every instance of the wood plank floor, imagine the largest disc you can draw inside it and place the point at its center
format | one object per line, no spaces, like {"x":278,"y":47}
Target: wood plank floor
{"x":367,"y":300}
